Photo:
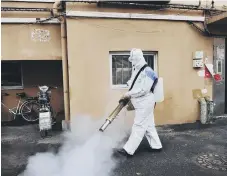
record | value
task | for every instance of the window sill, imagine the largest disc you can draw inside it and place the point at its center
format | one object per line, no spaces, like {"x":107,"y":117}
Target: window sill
{"x":12,"y":88}
{"x":117,"y":87}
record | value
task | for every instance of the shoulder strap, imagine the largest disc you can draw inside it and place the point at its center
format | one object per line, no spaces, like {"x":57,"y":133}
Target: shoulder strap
{"x":137,"y":76}
{"x":154,"y":85}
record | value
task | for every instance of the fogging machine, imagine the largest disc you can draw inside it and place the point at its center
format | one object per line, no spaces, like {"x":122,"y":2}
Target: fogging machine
{"x":122,"y":103}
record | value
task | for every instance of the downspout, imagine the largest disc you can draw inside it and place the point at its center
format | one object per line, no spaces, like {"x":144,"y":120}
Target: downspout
{"x":206,"y":110}
{"x":203,"y":110}
{"x":62,"y":19}
{"x":56,"y":5}
{"x":210,"y":109}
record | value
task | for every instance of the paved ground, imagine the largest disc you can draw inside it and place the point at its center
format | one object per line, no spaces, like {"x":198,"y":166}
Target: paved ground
{"x":183,"y":144}
{"x":20,"y":142}
{"x":189,"y":150}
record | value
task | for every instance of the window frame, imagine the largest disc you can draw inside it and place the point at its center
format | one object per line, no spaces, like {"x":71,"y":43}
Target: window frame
{"x":124,"y":86}
{"x":22,"y":82}
{"x":217,"y":66}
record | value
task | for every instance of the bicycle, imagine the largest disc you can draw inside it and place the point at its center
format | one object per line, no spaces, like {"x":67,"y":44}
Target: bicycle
{"x":28,"y":109}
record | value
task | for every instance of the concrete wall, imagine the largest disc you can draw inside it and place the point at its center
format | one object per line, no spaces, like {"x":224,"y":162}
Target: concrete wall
{"x":23,"y":42}
{"x":38,"y":73}
{"x":29,"y":43}
{"x":89,"y":43}
{"x":89,"y":74}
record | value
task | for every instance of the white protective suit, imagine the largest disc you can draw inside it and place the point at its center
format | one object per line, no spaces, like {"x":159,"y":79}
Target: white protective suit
{"x":143,"y":102}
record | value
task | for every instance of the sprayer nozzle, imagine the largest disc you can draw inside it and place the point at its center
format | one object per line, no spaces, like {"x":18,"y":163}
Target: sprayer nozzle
{"x":105,"y":125}
{"x":100,"y":129}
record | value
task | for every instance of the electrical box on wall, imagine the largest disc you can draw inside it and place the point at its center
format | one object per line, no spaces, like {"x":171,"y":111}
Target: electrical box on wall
{"x":198,"y":59}
{"x":197,"y":63}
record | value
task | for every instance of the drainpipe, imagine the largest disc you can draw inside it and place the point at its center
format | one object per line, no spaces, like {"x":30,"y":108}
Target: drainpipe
{"x":56,"y":5}
{"x":65,"y":124}
{"x":203,"y":110}
{"x":206,"y":110}
{"x":210,"y":109}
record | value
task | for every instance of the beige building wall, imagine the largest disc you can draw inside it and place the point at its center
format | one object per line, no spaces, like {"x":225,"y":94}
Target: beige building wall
{"x":26,"y":42}
{"x":36,"y":45}
{"x":89,"y":65}
{"x":24,"y":39}
{"x":89,"y":44}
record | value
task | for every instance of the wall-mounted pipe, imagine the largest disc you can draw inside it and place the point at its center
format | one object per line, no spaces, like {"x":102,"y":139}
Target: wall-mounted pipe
{"x":25,"y":9}
{"x":56,"y":6}
{"x":64,"y":59}
{"x":190,"y":5}
{"x":206,"y":110}
{"x":65,"y":68}
{"x":203,"y":110}
{"x":210,"y":109}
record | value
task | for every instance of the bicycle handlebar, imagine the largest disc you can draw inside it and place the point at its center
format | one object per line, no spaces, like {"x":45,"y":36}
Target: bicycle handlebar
{"x":50,"y":87}
{"x":5,"y":94}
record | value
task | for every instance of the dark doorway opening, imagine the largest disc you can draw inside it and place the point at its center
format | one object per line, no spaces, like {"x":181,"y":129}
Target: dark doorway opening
{"x":25,"y":76}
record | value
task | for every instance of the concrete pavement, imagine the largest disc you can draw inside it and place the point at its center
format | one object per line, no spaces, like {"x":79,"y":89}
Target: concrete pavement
{"x":189,"y":150}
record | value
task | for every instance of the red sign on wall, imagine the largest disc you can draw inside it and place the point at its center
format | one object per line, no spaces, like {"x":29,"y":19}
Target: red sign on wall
{"x":210,"y":74}
{"x":207,"y":73}
{"x":217,"y":77}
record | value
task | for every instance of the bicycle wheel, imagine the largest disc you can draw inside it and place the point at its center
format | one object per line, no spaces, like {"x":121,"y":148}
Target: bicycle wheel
{"x":30,"y":111}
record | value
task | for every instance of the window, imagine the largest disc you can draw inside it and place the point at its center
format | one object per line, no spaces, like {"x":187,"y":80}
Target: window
{"x":11,"y":75}
{"x":121,"y":68}
{"x":219,"y":67}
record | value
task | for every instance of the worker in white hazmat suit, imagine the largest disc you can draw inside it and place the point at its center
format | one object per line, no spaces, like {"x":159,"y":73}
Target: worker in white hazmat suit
{"x":143,"y":101}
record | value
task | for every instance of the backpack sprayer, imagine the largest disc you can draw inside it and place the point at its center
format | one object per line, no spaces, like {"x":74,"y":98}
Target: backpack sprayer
{"x":157,"y":89}
{"x":122,"y":103}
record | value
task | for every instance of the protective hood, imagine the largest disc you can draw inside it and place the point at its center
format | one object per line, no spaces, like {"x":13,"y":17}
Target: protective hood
{"x":136,"y":58}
